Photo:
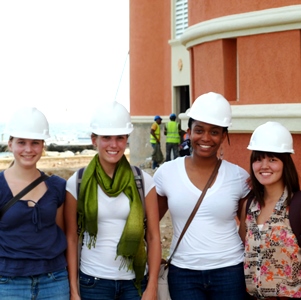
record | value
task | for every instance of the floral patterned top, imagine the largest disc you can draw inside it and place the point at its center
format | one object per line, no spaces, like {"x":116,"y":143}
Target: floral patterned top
{"x":272,"y":262}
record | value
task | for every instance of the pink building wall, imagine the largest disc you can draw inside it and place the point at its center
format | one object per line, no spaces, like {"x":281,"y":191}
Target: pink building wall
{"x":254,"y":69}
{"x":150,"y":79}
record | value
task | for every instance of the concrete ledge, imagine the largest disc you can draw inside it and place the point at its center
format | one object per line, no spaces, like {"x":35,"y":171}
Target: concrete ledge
{"x":245,"y":118}
{"x":250,"y":23}
{"x":147,"y":119}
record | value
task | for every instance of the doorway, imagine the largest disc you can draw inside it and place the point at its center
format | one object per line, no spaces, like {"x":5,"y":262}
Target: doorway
{"x":182,"y":98}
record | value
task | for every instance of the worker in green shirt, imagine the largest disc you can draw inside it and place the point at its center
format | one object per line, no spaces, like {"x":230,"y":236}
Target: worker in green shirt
{"x":172,"y":130}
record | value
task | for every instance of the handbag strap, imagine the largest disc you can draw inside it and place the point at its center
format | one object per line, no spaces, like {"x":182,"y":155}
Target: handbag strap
{"x":13,"y":200}
{"x":208,"y":184}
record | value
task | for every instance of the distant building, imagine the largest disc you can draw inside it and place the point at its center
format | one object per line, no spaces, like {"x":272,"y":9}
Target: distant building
{"x":249,"y":51}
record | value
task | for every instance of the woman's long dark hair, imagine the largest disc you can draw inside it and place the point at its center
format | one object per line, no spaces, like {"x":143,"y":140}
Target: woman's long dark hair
{"x":290,"y":175}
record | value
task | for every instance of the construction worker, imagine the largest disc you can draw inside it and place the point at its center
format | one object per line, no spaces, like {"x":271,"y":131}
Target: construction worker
{"x":155,"y":137}
{"x":172,"y":131}
{"x":185,"y":146}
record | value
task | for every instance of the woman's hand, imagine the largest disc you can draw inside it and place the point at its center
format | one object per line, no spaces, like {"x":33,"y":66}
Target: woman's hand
{"x":150,"y":293}
{"x":75,"y":297}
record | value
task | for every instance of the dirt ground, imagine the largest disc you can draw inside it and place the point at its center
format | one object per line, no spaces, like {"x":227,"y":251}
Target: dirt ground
{"x":166,"y":234}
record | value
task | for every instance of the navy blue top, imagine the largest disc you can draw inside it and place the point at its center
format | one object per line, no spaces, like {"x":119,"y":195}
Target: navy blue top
{"x":31,"y":243}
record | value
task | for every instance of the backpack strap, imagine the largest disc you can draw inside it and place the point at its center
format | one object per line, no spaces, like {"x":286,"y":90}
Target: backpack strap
{"x":249,"y":200}
{"x":295,"y":216}
{"x":138,"y":175}
{"x":79,"y":176}
{"x":139,"y":180}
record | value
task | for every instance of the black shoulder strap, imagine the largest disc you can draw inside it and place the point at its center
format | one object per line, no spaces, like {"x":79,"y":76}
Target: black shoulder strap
{"x":79,"y":176}
{"x":139,"y":183}
{"x":13,"y":200}
{"x":138,"y":175}
{"x":295,"y":216}
{"x":249,"y":200}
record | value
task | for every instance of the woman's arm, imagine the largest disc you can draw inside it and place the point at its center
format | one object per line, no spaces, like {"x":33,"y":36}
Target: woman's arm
{"x":60,"y":217}
{"x":70,"y":218}
{"x":153,"y":244}
{"x":242,"y":225}
{"x":163,"y":205}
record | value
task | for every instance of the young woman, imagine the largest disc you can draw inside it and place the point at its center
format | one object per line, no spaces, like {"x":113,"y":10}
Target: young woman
{"x":32,"y":245}
{"x":208,"y":262}
{"x":272,"y":255}
{"x":110,"y":216}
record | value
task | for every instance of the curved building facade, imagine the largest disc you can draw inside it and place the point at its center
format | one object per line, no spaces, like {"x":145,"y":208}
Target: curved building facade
{"x":249,"y":51}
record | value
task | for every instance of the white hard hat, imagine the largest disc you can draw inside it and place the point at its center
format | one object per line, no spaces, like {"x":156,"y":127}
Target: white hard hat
{"x":111,"y":118}
{"x":271,"y":137}
{"x":211,"y":108}
{"x":28,"y":123}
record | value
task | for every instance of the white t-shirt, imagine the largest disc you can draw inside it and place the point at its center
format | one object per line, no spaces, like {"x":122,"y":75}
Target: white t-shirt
{"x":211,"y":241}
{"x":101,"y":261}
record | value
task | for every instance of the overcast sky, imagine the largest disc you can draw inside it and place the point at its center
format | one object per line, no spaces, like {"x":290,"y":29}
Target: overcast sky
{"x":63,"y":56}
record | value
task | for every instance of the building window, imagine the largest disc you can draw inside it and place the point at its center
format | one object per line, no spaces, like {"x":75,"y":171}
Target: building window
{"x":181,"y":17}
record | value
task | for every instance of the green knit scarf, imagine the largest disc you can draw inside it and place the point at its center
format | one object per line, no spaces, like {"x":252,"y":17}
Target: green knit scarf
{"x":131,"y":244}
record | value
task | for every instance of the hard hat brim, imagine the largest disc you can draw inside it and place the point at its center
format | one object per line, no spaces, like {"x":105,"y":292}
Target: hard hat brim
{"x":270,"y":149}
{"x":112,"y":131}
{"x":28,"y":135}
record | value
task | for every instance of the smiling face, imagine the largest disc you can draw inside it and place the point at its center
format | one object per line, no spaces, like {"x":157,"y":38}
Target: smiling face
{"x":268,"y":170}
{"x":206,"y":138}
{"x":27,"y":152}
{"x":273,"y":171}
{"x":110,"y":148}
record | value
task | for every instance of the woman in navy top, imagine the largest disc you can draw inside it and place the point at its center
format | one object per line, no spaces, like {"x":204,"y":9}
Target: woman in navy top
{"x":32,"y":241}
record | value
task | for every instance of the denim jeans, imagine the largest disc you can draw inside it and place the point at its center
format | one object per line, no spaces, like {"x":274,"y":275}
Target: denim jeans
{"x":45,"y":286}
{"x":218,"y":284}
{"x":105,"y":289}
{"x":175,"y":149}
